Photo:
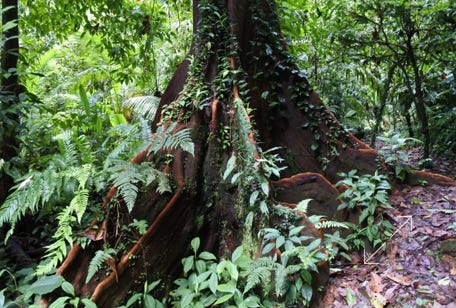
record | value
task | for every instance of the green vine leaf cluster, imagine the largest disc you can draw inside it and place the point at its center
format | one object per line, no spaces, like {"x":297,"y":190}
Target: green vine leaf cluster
{"x":369,"y":193}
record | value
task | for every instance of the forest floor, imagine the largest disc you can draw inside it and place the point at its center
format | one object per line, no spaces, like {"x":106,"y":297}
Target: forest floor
{"x":417,"y":267}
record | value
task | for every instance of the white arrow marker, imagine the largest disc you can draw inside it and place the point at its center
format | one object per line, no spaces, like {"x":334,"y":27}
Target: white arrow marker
{"x":367,"y":259}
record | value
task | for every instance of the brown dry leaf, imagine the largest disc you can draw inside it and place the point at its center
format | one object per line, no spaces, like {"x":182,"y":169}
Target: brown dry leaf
{"x":375,"y":283}
{"x":94,"y":234}
{"x":389,"y":294}
{"x":453,"y":271}
{"x":400,"y":279}
{"x":97,"y":234}
{"x":377,"y":300}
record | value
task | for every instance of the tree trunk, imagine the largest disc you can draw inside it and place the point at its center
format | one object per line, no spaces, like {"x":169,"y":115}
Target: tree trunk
{"x":238,"y":63}
{"x":383,"y":98}
{"x":9,"y":92}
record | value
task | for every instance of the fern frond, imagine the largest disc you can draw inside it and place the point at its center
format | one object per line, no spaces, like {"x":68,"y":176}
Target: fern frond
{"x":67,"y":148}
{"x":281,"y":280}
{"x":160,"y":178}
{"x":57,"y":251}
{"x":146,"y":106}
{"x":328,"y":224}
{"x":79,"y":203}
{"x":145,"y":131}
{"x":98,"y":260}
{"x":125,"y":178}
{"x":259,"y":271}
{"x":80,"y":173}
{"x":166,"y":140}
{"x":25,"y":198}
{"x":133,"y":139}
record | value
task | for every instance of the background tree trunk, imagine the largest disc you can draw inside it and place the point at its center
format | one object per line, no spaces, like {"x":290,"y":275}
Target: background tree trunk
{"x":9,"y":92}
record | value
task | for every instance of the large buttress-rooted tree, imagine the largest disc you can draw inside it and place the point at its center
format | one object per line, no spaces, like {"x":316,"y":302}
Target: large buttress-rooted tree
{"x":239,"y":93}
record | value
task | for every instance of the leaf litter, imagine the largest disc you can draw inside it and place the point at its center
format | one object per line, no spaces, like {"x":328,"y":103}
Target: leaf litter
{"x":417,"y":268}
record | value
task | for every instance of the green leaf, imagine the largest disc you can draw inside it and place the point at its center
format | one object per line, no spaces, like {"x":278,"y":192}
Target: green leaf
{"x":46,"y":284}
{"x":213,"y":283}
{"x":205,"y":255}
{"x":84,"y":100}
{"x":223,"y":299}
{"x":132,"y":300}
{"x":195,"y":243}
{"x":68,"y":288}
{"x":303,"y":205}
{"x":265,"y":187}
{"x":88,"y":303}
{"x":153,"y":285}
{"x":2,"y":298}
{"x":252,"y":301}
{"x":236,"y":254}
{"x":267,"y":248}
{"x":149,"y":301}
{"x":313,"y":245}
{"x":187,"y":300}
{"x":232,"y":270}
{"x":295,"y":231}
{"x":188,"y":264}
{"x":230,"y":165}
{"x":253,"y":197}
{"x":226,"y":288}
{"x":280,"y":241}
{"x":117,"y":119}
{"x":59,"y":302}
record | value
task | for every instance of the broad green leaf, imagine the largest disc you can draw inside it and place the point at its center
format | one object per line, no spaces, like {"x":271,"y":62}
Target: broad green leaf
{"x":313,"y":245}
{"x":68,"y":288}
{"x":280,"y":241}
{"x":213,"y":283}
{"x":188,"y":263}
{"x":195,"y":243}
{"x":59,"y":302}
{"x":88,"y":303}
{"x":230,"y":165}
{"x":295,"y":231}
{"x":84,"y":100}
{"x":223,"y":299}
{"x":227,"y":288}
{"x":267,"y":248}
{"x":133,"y":299}
{"x":46,"y":284}
{"x":236,"y":254}
{"x":253,"y":197}
{"x":265,"y":187}
{"x":205,"y":255}
{"x":149,"y":301}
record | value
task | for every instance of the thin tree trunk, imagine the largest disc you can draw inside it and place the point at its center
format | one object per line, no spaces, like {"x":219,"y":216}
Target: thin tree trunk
{"x":10,"y":90}
{"x":383,"y":98}
{"x":419,"y":100}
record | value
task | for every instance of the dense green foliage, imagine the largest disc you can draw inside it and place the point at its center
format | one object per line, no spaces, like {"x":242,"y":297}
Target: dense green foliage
{"x":94,"y":72}
{"x":372,"y":61}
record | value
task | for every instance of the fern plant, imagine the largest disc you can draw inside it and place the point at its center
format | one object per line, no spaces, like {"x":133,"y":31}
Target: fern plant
{"x":98,"y":261}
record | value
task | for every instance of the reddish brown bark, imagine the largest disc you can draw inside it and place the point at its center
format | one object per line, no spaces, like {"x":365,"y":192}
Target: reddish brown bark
{"x":201,"y":203}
